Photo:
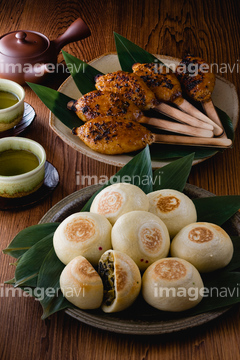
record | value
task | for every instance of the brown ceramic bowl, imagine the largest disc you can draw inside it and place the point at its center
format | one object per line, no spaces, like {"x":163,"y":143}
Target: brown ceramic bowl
{"x":139,"y":319}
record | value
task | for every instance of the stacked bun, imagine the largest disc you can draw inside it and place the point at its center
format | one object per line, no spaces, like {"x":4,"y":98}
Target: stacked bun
{"x":85,"y":234}
{"x":174,"y":208}
{"x":119,"y":199}
{"x":207,"y":246}
{"x":141,"y":235}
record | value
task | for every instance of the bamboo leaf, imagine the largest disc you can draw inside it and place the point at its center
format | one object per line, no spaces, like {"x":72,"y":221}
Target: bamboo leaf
{"x":48,"y":279}
{"x":137,"y":171}
{"x":30,"y":263}
{"x":174,"y":175}
{"x":217,"y":209}
{"x":83,"y":74}
{"x":57,"y":104}
{"x":11,"y":281}
{"x":226,"y":122}
{"x":28,"y":237}
{"x":235,"y":262}
{"x":130,"y":53}
{"x":161,"y":152}
{"x":222,"y":290}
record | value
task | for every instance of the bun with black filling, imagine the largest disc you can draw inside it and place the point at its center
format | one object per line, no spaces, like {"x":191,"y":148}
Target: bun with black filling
{"x":121,"y":280}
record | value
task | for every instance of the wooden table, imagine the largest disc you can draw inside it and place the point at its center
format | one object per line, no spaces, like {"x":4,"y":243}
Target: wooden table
{"x":205,"y":28}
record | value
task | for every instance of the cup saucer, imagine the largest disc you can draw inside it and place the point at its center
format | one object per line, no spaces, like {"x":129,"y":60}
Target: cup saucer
{"x":51,"y":181}
{"x":28,"y":117}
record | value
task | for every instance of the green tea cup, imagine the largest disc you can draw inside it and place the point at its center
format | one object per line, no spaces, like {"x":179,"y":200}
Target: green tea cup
{"x":12,"y":115}
{"x":28,"y":182}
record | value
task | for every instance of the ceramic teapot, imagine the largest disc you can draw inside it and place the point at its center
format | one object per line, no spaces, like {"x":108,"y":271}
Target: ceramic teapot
{"x":31,"y":56}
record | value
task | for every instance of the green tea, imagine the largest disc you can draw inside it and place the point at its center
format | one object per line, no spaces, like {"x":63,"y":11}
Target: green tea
{"x":16,"y":162}
{"x":7,"y":99}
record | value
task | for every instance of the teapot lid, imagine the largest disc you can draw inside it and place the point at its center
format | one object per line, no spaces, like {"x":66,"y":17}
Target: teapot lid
{"x":23,"y":43}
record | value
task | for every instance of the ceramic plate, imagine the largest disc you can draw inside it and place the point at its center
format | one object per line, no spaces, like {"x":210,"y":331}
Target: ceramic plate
{"x":140,"y":318}
{"x":224,"y":96}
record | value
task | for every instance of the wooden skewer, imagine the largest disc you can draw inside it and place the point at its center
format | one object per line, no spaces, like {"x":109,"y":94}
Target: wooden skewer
{"x":182,"y":116}
{"x":194,"y":141}
{"x":171,"y":126}
{"x":211,"y":112}
{"x":110,"y":135}
{"x":190,"y":109}
{"x":176,"y":127}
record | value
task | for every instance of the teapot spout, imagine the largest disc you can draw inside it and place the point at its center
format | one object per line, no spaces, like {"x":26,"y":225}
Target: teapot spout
{"x":37,"y":73}
{"x":39,"y":70}
{"x":78,"y":30}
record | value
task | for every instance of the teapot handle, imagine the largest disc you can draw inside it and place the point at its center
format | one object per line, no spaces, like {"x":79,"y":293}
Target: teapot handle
{"x":78,"y":30}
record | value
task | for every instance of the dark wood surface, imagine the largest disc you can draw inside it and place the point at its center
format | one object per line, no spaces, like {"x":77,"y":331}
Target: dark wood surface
{"x":206,"y":28}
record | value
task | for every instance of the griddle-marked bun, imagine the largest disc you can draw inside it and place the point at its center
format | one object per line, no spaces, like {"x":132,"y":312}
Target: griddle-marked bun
{"x":121,"y":280}
{"x":85,"y":234}
{"x":118,"y":199}
{"x":81,"y":284}
{"x":141,"y":235}
{"x":207,"y":246}
{"x":174,"y":208}
{"x":172,"y":284}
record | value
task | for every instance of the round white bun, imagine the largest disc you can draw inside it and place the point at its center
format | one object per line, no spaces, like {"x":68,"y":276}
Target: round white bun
{"x":81,"y":284}
{"x":118,"y":199}
{"x":141,"y":235}
{"x":85,"y":234}
{"x":207,"y":246}
{"x":122,"y":277}
{"x":174,"y":208}
{"x":172,"y":284}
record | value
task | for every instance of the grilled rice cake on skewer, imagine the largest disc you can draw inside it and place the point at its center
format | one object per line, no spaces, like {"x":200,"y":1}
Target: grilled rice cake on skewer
{"x":198,"y":82}
{"x":167,"y":89}
{"x":97,"y":103}
{"x":133,"y":88}
{"x":109,"y":135}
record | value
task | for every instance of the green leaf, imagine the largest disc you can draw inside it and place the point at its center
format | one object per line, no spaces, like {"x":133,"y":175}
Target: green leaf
{"x":57,"y":104}
{"x":161,"y":152}
{"x":223,"y":288}
{"x":11,"y":281}
{"x":137,"y":171}
{"x":83,"y":74}
{"x":217,"y":209}
{"x":226,"y":122}
{"x":235,"y":262}
{"x":130,"y":53}
{"x":28,"y":237}
{"x":30,"y":263}
{"x":174,"y":175}
{"x":48,"y":279}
